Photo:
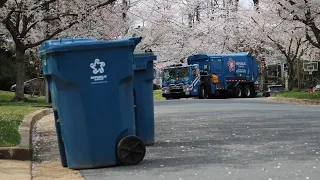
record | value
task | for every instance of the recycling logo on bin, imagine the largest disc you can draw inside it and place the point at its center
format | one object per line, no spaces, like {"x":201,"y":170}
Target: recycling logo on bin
{"x":98,"y":68}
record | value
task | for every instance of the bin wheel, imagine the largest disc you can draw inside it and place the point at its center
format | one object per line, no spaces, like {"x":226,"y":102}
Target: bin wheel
{"x":131,"y":150}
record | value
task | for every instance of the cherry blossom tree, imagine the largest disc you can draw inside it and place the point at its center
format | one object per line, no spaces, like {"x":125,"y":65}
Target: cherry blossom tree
{"x":31,"y":22}
{"x":177,"y":29}
{"x":306,"y":12}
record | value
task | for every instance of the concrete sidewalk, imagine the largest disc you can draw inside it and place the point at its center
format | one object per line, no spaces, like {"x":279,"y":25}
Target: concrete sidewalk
{"x":46,"y":154}
{"x":12,"y":169}
{"x":54,"y":170}
{"x":47,"y":160}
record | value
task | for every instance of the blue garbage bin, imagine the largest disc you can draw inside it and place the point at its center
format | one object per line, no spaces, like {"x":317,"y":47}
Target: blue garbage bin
{"x":143,"y":91}
{"x":91,"y":86}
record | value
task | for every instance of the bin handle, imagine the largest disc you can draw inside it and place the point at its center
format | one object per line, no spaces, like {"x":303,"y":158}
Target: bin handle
{"x":136,"y":40}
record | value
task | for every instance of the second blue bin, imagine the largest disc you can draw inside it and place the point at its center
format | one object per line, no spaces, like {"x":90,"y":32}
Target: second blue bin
{"x":143,"y":93}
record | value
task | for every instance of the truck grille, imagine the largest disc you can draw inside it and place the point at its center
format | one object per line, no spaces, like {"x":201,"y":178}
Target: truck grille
{"x":178,"y":88}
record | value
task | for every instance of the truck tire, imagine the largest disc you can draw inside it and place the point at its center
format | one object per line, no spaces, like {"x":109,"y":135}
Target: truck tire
{"x":247,"y":91}
{"x":238,"y":91}
{"x":202,"y":92}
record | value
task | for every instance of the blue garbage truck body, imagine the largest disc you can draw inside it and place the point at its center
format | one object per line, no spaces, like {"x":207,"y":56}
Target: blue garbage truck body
{"x":212,"y":75}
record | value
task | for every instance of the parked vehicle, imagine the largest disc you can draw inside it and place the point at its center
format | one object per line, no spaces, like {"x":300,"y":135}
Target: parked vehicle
{"x":273,"y":89}
{"x":209,"y":75}
{"x":315,"y":88}
{"x":31,"y":86}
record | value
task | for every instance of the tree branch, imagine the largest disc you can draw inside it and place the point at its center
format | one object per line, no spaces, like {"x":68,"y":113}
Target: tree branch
{"x":58,"y":31}
{"x":9,"y":14}
{"x":290,"y":45}
{"x":44,"y":4}
{"x":11,"y":28}
{"x":308,"y":37}
{"x":105,"y":3}
{"x":18,"y":18}
{"x":308,"y":21}
{"x":280,"y":47}
{"x":2,"y":2}
{"x":51,"y":35}
{"x":299,"y":43}
{"x":27,"y":29}
{"x":26,"y":21}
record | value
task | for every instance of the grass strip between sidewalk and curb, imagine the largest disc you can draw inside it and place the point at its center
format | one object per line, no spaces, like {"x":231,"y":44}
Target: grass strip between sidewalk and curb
{"x":12,"y":114}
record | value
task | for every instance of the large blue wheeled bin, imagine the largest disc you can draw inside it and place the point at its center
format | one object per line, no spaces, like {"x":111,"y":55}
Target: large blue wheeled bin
{"x":143,"y":91}
{"x":91,"y":86}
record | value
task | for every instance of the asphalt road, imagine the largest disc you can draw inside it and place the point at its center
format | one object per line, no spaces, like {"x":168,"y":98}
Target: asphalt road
{"x":245,"y":139}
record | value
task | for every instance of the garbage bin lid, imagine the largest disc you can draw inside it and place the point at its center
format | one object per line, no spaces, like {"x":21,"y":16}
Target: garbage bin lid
{"x":79,"y":44}
{"x":141,"y":58}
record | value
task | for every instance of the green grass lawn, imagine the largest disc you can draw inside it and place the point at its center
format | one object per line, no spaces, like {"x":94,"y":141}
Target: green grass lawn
{"x":299,"y":95}
{"x":11,"y":115}
{"x":157,"y":95}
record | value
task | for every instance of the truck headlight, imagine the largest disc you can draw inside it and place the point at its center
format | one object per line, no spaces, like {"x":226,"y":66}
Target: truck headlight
{"x":165,"y":90}
{"x":186,"y":88}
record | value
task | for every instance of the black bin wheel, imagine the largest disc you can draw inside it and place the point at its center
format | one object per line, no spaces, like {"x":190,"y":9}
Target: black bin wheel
{"x":131,"y":150}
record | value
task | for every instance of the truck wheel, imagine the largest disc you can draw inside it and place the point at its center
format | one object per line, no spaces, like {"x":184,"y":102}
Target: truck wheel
{"x":202,"y":93}
{"x":247,"y":92}
{"x":238,"y":91}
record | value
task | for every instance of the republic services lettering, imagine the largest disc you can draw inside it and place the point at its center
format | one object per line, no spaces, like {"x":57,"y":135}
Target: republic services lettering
{"x":241,"y":63}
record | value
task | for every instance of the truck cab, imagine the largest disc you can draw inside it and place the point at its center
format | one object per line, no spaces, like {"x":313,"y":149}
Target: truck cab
{"x":180,"y":81}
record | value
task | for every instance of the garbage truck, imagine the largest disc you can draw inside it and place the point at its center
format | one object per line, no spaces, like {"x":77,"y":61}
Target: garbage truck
{"x":212,"y":75}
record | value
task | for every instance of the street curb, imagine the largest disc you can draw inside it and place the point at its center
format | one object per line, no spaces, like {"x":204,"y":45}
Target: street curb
{"x":23,"y":151}
{"x":296,"y":101}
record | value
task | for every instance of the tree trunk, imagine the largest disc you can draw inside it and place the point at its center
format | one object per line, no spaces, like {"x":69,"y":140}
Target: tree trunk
{"x":20,"y":76}
{"x":291,"y":74}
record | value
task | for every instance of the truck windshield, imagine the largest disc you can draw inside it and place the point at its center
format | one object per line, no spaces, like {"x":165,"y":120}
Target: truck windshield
{"x":176,"y":74}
